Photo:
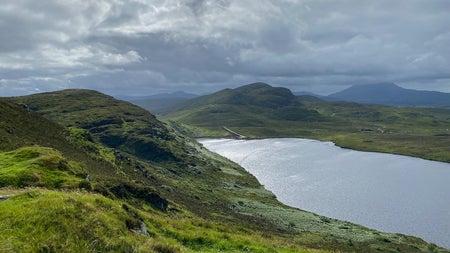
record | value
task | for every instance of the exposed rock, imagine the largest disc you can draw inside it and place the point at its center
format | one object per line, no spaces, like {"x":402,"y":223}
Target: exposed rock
{"x":148,"y":195}
{"x":143,"y":229}
{"x":4,"y":197}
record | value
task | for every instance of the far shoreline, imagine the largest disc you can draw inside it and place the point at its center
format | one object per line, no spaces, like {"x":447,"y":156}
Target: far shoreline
{"x":324,"y":141}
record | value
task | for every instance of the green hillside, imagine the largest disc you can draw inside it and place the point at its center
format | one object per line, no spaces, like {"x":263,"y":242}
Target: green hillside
{"x":83,"y":172}
{"x":73,"y":221}
{"x":260,"y":111}
{"x":256,"y":102}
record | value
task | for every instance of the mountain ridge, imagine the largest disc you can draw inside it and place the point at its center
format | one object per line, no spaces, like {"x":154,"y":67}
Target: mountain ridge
{"x":391,"y":94}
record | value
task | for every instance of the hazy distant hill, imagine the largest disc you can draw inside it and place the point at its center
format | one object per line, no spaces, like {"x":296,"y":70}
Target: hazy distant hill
{"x":156,"y":103}
{"x":306,"y":93}
{"x":391,"y":94}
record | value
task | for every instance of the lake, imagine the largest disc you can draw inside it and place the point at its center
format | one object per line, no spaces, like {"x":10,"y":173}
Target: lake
{"x":391,"y":193}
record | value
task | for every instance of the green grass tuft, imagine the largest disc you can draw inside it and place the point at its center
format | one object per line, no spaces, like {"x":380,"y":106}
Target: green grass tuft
{"x":50,"y":221}
{"x":39,"y":166}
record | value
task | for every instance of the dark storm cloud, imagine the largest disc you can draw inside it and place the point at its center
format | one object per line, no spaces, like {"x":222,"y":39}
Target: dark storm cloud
{"x":135,"y":46}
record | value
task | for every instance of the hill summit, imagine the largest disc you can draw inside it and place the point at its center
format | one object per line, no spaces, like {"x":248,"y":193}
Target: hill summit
{"x":256,"y":94}
{"x":249,"y":105}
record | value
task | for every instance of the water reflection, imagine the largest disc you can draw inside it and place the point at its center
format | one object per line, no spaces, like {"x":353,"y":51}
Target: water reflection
{"x":387,"y":192}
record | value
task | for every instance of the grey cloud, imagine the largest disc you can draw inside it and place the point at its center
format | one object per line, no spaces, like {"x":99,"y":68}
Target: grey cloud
{"x":278,"y":37}
{"x":132,"y":46}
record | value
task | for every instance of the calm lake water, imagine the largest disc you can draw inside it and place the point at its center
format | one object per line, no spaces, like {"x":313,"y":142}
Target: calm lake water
{"x":387,"y":192}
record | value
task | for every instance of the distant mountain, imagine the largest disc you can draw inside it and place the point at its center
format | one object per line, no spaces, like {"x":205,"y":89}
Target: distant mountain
{"x":391,"y":94}
{"x":180,"y":94}
{"x":156,"y":103}
{"x":306,"y":93}
{"x":177,"y":94}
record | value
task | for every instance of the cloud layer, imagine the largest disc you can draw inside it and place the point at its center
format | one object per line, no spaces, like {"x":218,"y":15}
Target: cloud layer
{"x":141,"y":47}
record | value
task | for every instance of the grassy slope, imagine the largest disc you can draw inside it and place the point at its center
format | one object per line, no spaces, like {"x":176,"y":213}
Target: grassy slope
{"x":40,"y":220}
{"x":68,"y":215}
{"x":192,"y":179}
{"x":420,"y":132}
{"x":38,"y":166}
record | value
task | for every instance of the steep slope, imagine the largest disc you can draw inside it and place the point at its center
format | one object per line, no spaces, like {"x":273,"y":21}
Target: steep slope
{"x":19,"y":127}
{"x":114,"y":123}
{"x":391,"y":94}
{"x":182,"y":196}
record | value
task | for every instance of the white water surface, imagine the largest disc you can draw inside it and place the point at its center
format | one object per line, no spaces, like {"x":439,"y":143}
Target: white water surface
{"x":391,"y":193}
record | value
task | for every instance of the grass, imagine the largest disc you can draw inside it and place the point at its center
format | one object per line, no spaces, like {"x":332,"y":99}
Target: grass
{"x":50,"y":221}
{"x":38,"y":166}
{"x":39,"y":220}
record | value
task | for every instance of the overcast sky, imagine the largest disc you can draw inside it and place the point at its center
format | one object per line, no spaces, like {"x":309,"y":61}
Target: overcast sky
{"x":140,"y":47}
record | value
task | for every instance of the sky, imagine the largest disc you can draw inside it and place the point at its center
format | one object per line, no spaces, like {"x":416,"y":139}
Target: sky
{"x":139,"y":47}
